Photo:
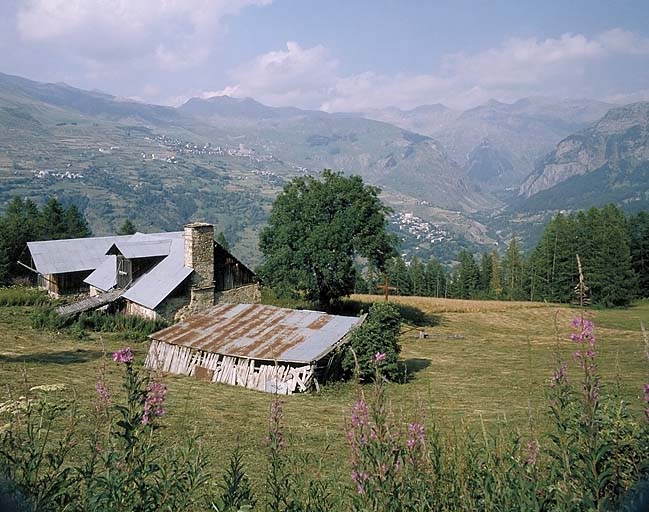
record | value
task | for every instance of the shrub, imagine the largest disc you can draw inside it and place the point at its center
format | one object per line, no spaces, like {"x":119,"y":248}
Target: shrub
{"x":375,"y":341}
{"x":131,"y":327}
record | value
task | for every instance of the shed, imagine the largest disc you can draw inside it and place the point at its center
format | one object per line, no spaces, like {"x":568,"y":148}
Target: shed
{"x":271,"y":349}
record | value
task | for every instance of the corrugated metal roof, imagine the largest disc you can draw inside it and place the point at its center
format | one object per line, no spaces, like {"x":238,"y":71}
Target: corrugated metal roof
{"x":154,"y":286}
{"x":71,"y":255}
{"x":260,"y":332}
{"x":143,"y":248}
{"x":60,"y":256}
{"x":104,"y":276}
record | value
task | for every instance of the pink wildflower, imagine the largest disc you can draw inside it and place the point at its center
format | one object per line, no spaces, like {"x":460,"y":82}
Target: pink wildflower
{"x":359,"y":478}
{"x":533,"y":448}
{"x":275,"y":437}
{"x":560,"y":376}
{"x":124,"y":355}
{"x":379,"y":357}
{"x":102,"y":390}
{"x":155,"y":397}
{"x":360,"y":414}
{"x":415,"y":435}
{"x":103,"y":395}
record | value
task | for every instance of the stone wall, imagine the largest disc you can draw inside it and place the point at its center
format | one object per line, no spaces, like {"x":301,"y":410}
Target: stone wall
{"x":133,"y":309}
{"x":249,"y":294}
{"x":199,"y":255}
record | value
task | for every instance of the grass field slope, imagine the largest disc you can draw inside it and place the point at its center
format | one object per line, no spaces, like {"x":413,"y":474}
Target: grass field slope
{"x":481,"y":363}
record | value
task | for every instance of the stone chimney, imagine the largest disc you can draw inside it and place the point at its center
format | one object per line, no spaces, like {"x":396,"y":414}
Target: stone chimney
{"x":199,"y":255}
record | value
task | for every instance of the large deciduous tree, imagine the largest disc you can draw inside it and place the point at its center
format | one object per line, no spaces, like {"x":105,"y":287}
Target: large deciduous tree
{"x":317,"y":228}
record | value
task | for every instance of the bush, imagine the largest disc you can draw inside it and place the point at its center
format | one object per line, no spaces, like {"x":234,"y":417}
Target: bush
{"x":132,"y":327}
{"x":375,"y":344}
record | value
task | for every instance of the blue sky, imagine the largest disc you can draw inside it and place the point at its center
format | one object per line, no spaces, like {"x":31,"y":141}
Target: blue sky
{"x":334,"y":55}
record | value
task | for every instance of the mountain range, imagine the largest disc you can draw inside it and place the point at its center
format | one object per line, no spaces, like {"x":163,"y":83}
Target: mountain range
{"x":476,"y":175}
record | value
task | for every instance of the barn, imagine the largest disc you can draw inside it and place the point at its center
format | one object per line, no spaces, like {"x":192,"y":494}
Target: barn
{"x":267,"y":348}
{"x":153,"y":275}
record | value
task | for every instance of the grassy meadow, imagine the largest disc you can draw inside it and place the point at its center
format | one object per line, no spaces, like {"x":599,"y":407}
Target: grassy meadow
{"x":482,"y":363}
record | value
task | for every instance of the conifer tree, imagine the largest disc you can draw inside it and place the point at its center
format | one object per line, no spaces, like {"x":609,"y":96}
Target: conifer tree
{"x":127,"y":228}
{"x":486,"y":268}
{"x":417,"y":277}
{"x":607,"y":261}
{"x":75,"y":223}
{"x":53,"y":221}
{"x":19,"y":225}
{"x":468,"y":275}
{"x":512,"y":268}
{"x":223,"y":241}
{"x":638,"y":230}
{"x":495,"y":284}
{"x":435,"y":279}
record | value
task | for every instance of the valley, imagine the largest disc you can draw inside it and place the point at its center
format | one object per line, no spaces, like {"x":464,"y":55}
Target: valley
{"x":471,"y":179}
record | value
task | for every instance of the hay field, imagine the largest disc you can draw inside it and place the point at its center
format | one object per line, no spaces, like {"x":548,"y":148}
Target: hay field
{"x":481,"y":363}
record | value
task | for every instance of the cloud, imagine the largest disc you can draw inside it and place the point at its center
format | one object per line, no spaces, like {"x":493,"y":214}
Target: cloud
{"x":310,"y":77}
{"x":170,"y":34}
{"x":297,"y":75}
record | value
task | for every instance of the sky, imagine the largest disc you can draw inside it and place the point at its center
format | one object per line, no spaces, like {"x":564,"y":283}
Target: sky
{"x":352,"y":55}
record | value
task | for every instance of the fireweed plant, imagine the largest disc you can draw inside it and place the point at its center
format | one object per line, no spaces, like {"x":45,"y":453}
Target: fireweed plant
{"x":593,"y":458}
{"x":124,"y":465}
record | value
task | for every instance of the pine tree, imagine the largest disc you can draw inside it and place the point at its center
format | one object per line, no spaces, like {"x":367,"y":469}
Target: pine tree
{"x":417,"y":274}
{"x":486,"y":269}
{"x":607,"y":259}
{"x":53,"y":221}
{"x":495,"y":284}
{"x":75,"y":223}
{"x":513,"y":271}
{"x":638,"y":235}
{"x":127,"y":228}
{"x":223,"y":241}
{"x":468,"y":275}
{"x":19,"y":225}
{"x":435,"y":279}
{"x":398,"y":276}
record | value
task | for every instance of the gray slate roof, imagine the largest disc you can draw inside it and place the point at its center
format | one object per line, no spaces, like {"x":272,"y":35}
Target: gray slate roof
{"x":262,"y":332}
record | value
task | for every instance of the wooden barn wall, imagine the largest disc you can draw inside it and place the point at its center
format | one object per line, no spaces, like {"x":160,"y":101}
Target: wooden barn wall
{"x":65,"y":284}
{"x":271,"y":377}
{"x":229,"y":272}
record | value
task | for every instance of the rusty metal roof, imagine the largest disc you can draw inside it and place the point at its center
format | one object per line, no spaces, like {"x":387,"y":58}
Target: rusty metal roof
{"x":257,"y":331}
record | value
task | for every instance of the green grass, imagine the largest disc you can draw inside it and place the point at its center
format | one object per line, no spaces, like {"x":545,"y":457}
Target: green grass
{"x":482,"y":362}
{"x":21,"y":296}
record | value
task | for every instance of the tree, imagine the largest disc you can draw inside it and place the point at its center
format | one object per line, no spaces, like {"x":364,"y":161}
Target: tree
{"x":316,"y":230}
{"x":20,"y":224}
{"x":53,"y":221}
{"x":75,"y":223}
{"x":467,"y":276}
{"x":417,"y":277}
{"x":398,"y":276}
{"x":127,"y":228}
{"x":495,"y":283}
{"x":379,"y":334}
{"x":223,"y":241}
{"x":512,"y":270}
{"x":435,"y":279}
{"x":607,"y":261}
{"x":638,"y":228}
